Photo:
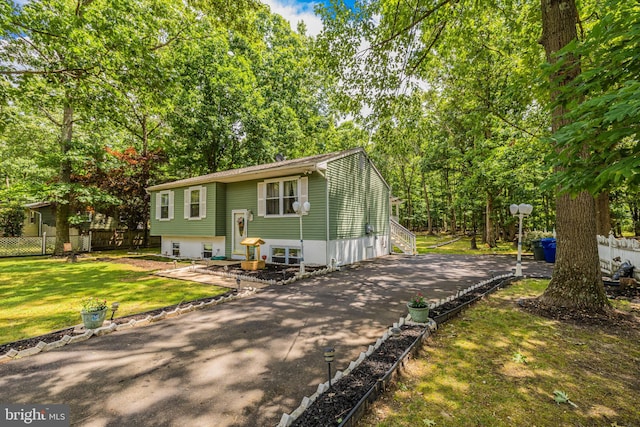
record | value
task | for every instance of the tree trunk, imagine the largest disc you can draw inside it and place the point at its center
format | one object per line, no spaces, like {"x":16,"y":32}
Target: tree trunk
{"x":576,"y":281}
{"x":603,"y":214}
{"x":428,"y":206}
{"x":62,"y":206}
{"x":634,"y":209}
{"x":474,"y":244}
{"x":146,"y":204}
{"x":490,"y":238}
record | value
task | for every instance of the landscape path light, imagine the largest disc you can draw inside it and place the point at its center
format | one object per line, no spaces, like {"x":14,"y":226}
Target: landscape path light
{"x":301,"y":209}
{"x":520,"y":211}
{"x":395,"y":332}
{"x":329,"y":355}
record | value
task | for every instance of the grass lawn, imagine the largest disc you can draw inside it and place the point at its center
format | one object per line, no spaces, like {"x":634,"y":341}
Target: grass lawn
{"x":461,"y":247}
{"x":40,"y":295}
{"x":496,"y":365}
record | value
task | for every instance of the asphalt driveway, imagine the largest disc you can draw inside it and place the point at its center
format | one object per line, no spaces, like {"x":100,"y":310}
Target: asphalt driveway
{"x":245,"y":362}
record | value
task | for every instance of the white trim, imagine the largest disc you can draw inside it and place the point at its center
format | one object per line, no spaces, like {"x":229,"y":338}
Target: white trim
{"x":244,"y":212}
{"x":159,"y":205}
{"x":203,"y":203}
{"x":262,"y":197}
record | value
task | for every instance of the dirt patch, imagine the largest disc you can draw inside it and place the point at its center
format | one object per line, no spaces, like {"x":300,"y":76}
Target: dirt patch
{"x":145,"y":264}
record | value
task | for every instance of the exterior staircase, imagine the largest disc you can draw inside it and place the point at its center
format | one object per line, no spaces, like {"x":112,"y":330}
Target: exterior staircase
{"x":402,"y":238}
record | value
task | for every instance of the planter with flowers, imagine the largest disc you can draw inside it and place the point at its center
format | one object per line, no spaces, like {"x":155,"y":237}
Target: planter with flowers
{"x":418,"y":308}
{"x":94,"y":311}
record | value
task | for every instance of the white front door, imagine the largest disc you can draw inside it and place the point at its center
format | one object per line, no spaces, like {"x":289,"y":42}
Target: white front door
{"x":239,"y":224}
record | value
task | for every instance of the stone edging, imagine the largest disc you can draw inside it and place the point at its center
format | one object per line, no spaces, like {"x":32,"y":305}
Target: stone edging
{"x":295,"y":278}
{"x":469,"y":289}
{"x":287,"y":419}
{"x":66,"y":339}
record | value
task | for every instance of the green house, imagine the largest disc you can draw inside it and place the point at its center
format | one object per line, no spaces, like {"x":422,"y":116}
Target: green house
{"x":348,"y":216}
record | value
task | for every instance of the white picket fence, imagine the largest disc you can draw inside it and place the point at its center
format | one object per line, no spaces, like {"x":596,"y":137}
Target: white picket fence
{"x":43,"y":245}
{"x":614,"y":252}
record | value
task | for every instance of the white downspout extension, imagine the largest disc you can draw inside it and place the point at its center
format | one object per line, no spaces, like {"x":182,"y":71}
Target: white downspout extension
{"x":327,"y":219}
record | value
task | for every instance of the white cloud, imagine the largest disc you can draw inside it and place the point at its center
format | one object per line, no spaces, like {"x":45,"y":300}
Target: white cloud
{"x":296,"y":11}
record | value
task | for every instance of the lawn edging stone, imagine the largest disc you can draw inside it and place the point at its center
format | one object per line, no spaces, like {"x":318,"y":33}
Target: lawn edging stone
{"x":429,"y":328}
{"x":42,"y":346}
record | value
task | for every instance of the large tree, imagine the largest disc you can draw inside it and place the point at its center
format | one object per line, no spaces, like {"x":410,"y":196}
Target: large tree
{"x":400,"y":40}
{"x":576,"y":281}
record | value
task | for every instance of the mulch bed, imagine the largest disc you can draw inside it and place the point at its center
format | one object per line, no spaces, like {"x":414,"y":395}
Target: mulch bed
{"x":332,"y":406}
{"x":276,"y":272}
{"x":609,"y":319}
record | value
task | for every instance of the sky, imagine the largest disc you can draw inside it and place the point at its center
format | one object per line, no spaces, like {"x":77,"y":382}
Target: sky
{"x":293,"y":11}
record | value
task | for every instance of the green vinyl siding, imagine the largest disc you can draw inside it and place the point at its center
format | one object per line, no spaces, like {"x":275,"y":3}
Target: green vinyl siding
{"x":221,"y":211}
{"x":357,"y":196}
{"x":244,"y":195}
{"x":179,"y":226}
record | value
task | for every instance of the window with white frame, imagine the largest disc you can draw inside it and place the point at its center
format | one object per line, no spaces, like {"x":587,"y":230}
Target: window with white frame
{"x":164,"y":205}
{"x":276,"y":197}
{"x":195,"y":202}
{"x":175,"y":249}
{"x":207,"y":250}
{"x":285,"y":255}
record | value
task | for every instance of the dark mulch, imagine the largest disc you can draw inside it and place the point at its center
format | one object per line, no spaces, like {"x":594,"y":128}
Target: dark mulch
{"x":607,"y":319}
{"x":331,"y":407}
{"x":57,"y":335}
{"x":277,"y":272}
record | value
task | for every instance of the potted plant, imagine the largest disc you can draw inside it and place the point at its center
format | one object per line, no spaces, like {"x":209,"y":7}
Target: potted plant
{"x":94,"y":311}
{"x":418,"y":308}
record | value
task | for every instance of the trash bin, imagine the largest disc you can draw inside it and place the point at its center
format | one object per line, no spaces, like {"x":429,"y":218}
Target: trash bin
{"x":538,"y":251}
{"x":549,"y":248}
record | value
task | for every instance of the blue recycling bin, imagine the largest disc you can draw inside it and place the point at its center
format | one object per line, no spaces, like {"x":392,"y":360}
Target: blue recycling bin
{"x":549,"y":248}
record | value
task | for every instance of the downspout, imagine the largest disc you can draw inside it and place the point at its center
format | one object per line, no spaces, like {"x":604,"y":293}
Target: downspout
{"x":326,"y":221}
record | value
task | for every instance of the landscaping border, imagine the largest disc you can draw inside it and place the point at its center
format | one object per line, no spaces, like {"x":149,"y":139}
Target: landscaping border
{"x":112,"y":327}
{"x":372,"y":394}
{"x":246,"y":278}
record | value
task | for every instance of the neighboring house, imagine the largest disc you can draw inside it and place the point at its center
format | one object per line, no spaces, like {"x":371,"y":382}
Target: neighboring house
{"x":210,"y":215}
{"x":41,"y":218}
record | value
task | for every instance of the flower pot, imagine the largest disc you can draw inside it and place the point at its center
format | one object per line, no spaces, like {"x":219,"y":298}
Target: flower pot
{"x":93,"y":319}
{"x":419,"y":315}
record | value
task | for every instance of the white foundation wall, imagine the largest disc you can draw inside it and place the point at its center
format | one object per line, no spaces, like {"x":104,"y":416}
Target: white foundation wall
{"x":315,"y":251}
{"x":348,"y":251}
{"x":191,"y":247}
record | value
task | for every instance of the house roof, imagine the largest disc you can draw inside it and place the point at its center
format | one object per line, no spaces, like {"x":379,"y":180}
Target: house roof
{"x":268,"y":170}
{"x":37,"y":205}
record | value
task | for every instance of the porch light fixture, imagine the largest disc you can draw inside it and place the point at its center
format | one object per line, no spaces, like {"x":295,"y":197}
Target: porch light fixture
{"x":520,"y":211}
{"x":301,"y":209}
{"x":329,"y":355}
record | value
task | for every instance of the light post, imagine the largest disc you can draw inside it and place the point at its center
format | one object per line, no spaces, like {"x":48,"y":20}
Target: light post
{"x":520,"y":211}
{"x":301,"y":209}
